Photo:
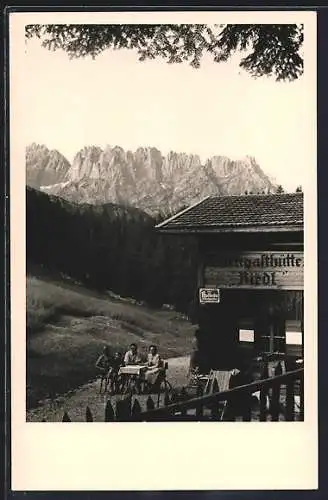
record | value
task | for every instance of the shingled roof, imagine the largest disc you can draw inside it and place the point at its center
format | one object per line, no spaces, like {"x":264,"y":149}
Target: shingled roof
{"x":269,"y":212}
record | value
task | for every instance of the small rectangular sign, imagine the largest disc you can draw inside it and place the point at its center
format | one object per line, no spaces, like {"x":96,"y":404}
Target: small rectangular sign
{"x":209,"y":295}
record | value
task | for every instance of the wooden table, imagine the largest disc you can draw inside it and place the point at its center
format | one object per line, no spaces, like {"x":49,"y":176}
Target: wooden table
{"x":136,"y":370}
{"x":132,"y":376}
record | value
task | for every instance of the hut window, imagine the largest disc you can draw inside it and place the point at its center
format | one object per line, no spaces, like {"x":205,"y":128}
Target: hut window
{"x":246,"y":335}
{"x":294,"y":338}
{"x":293,"y":333}
{"x":246,"y":331}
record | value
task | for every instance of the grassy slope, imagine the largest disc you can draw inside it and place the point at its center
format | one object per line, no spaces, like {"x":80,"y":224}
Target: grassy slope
{"x":76,"y":401}
{"x":67,"y":326}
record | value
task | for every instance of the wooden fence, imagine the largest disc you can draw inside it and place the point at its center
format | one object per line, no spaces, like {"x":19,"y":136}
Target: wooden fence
{"x":276,"y":402}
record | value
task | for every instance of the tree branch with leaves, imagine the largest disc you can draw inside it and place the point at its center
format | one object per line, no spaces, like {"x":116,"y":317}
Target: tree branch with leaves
{"x":266,"y":49}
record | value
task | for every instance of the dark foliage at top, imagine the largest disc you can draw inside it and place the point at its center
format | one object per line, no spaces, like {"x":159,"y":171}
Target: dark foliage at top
{"x":266,"y":49}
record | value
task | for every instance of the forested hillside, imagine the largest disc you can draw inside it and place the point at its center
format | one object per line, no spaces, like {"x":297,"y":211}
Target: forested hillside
{"x":111,"y":247}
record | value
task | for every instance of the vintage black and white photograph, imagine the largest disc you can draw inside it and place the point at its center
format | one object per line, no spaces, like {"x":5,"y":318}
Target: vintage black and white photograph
{"x":166,"y":172}
{"x":163,"y":250}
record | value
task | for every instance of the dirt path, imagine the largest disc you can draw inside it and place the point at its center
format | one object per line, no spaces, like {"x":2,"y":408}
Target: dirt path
{"x":75,"y":402}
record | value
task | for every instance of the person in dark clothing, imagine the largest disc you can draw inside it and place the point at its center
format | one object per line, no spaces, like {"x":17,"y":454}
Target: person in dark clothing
{"x":115,"y":365}
{"x":103,"y":362}
{"x":103,"y":365}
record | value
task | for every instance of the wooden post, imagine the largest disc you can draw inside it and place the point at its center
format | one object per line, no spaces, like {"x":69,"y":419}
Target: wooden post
{"x":200,"y":272}
{"x":302,"y":397}
{"x":275,"y":403}
{"x":247,"y":410}
{"x":136,"y":410}
{"x":265,"y":373}
{"x":118,"y":410}
{"x":278,"y":369}
{"x":128,"y":407}
{"x":184,"y":397}
{"x":271,"y":338}
{"x":109,"y":412}
{"x":199,"y":411}
{"x":215,"y":407}
{"x":88,"y":415}
{"x":174,"y":397}
{"x":150,"y":403}
{"x":290,"y":402}
{"x":184,"y":394}
{"x":122,"y":413}
{"x":215,"y":385}
{"x":302,"y":322}
{"x":199,"y":408}
{"x":263,"y":404}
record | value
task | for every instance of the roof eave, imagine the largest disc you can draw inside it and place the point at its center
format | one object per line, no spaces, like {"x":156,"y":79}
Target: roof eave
{"x":185,"y":210}
{"x":231,"y":229}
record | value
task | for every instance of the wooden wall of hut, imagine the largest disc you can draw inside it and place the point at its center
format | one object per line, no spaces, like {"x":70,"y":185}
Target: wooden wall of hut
{"x":219,"y":324}
{"x":218,"y":336}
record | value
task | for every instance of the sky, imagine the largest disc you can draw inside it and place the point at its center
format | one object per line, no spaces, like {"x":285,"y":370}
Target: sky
{"x":218,"y":109}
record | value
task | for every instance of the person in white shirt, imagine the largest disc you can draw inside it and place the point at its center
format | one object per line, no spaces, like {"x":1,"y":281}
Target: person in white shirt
{"x":132,"y":357}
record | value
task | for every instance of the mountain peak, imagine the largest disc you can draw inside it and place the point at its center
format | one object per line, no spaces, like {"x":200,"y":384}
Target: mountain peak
{"x":45,"y":167}
{"x":145,"y":178}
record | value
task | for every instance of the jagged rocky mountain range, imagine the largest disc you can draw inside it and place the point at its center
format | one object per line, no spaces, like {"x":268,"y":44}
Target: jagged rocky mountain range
{"x":45,"y":167}
{"x":145,"y":178}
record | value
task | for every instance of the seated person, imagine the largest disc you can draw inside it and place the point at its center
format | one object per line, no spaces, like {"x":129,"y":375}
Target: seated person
{"x":117,"y":362}
{"x":113,"y":371}
{"x":132,"y":356}
{"x":154,"y":367}
{"x":103,"y":364}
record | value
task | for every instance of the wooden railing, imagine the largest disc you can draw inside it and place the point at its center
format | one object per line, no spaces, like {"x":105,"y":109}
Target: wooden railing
{"x":277,"y":397}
